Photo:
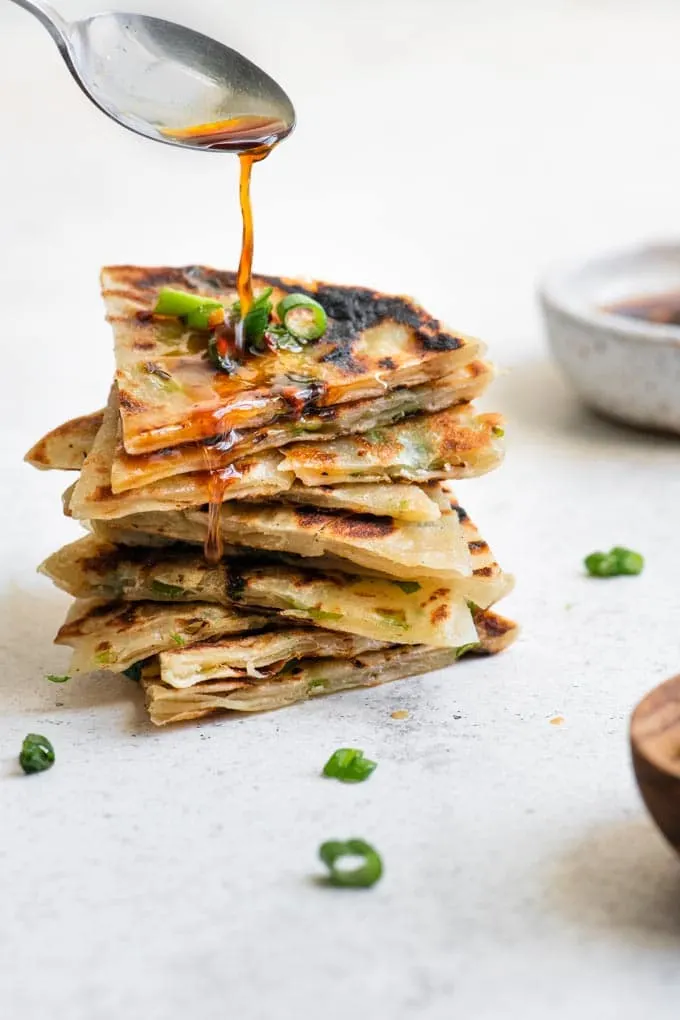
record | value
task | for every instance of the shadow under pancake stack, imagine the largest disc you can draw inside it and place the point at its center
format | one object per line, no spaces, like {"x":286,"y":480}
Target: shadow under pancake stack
{"x":315,"y":479}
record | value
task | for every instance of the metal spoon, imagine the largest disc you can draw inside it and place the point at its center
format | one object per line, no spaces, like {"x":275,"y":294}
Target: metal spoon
{"x":162,"y":81}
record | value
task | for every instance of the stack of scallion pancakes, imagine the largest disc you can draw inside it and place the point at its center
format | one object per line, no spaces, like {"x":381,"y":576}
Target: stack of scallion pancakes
{"x":338,"y":556}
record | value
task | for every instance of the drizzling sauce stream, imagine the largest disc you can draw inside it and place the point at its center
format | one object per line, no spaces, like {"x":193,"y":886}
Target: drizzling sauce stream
{"x":253,"y":138}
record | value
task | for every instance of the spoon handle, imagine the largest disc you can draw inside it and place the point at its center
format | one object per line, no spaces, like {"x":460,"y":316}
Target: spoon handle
{"x":47,"y":16}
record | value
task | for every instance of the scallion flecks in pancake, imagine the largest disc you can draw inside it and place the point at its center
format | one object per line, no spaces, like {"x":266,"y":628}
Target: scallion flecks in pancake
{"x":454,"y":443}
{"x":171,"y":393}
{"x":399,"y":612}
{"x":257,"y":656}
{"x":312,"y":677}
{"x":117,"y":635}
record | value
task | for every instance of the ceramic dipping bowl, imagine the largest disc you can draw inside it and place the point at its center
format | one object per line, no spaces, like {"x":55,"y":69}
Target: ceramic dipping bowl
{"x":622,"y":365}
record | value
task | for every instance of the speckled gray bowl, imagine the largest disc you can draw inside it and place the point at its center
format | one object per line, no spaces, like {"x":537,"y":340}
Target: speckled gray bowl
{"x":621,"y":367}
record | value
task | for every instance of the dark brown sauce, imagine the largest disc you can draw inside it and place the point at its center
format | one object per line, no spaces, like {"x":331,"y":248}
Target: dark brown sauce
{"x":662,"y":309}
{"x":253,"y":138}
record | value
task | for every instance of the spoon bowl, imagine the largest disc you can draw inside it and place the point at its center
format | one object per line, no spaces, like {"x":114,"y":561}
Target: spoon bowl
{"x":165,"y":81}
{"x":655,"y":746}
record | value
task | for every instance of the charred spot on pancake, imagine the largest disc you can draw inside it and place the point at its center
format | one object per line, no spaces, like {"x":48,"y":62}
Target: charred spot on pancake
{"x":479,"y":546}
{"x":309,"y":517}
{"x":129,"y":614}
{"x":200,"y":277}
{"x":439,"y":341}
{"x":144,"y":315}
{"x":439,"y":614}
{"x":103,"y":646}
{"x":484,"y":572}
{"x":362,"y":526}
{"x":387,"y":363}
{"x":130,"y":403}
{"x":492,"y":625}
{"x":462,"y":514}
{"x":144,"y":345}
{"x":343,"y":358}
{"x":149,"y":278}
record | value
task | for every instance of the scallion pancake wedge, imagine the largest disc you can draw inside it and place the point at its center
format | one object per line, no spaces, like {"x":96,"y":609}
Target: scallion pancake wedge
{"x":171,"y":393}
{"x":257,"y":656}
{"x":92,"y":496}
{"x":115,"y":636}
{"x":400,"y":612}
{"x":454,"y":443}
{"x":66,"y":447}
{"x":486,"y":585}
{"x":402,"y":549}
{"x":255,"y":478}
{"x":129,"y":472}
{"x":312,"y":677}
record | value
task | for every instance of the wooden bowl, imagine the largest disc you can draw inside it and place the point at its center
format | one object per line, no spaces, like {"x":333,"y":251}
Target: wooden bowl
{"x":655,"y":743}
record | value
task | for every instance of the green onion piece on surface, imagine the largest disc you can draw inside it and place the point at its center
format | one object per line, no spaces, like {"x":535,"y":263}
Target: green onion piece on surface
{"x":57,"y":679}
{"x":498,"y":431}
{"x":349,"y":765}
{"x":627,"y":561}
{"x":617,"y":562}
{"x":181,"y":305}
{"x":178,"y":639}
{"x":302,"y":316}
{"x":37,"y":754}
{"x":361,"y":877}
{"x":167,"y":591}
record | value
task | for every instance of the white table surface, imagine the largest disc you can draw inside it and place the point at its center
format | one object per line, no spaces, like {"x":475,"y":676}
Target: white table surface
{"x":169,"y":874}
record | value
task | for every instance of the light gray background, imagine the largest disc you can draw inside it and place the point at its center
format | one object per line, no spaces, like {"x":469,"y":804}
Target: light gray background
{"x":448,"y":150}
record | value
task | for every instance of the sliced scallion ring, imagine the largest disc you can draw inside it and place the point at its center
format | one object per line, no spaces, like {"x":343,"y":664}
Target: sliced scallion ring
{"x":200,"y":312}
{"x":366,"y":875}
{"x":302,"y":316}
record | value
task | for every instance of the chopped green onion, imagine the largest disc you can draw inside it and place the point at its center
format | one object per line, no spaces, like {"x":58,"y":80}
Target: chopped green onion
{"x":302,"y":316}
{"x":498,"y":431}
{"x":178,"y":639}
{"x":396,"y":618}
{"x":167,"y":591}
{"x":200,"y":312}
{"x":37,"y":754}
{"x":106,"y":657}
{"x":321,"y":614}
{"x":408,"y":587}
{"x":57,"y":679}
{"x":464,"y":649}
{"x":257,"y":319}
{"x":618,"y":561}
{"x":349,"y":765}
{"x":362,"y":877}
